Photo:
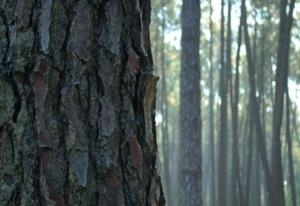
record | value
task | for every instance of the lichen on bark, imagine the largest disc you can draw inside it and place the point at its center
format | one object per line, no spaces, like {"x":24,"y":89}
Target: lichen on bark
{"x":74,"y":115}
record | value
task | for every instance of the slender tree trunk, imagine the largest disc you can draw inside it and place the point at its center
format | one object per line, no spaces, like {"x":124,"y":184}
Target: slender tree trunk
{"x":211,"y":114}
{"x":256,"y":194}
{"x":281,"y":81}
{"x":261,"y":142}
{"x":227,"y":79}
{"x":190,"y":117}
{"x":262,"y":100}
{"x":222,"y":158}
{"x":255,"y":191}
{"x":250,"y":157}
{"x":234,"y":96}
{"x":78,"y":126}
{"x":280,"y":88}
{"x":262,"y":81}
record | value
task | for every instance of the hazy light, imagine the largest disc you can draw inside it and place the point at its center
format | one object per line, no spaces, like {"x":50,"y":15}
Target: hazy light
{"x":158,"y":118}
{"x":294,"y":92}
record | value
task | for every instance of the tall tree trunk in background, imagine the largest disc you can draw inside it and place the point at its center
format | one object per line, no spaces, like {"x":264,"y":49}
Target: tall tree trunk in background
{"x":78,"y":98}
{"x":257,"y":180}
{"x":222,"y":156}
{"x":255,"y":190}
{"x":262,"y":100}
{"x":211,"y":114}
{"x":261,"y":141}
{"x":236,"y":192}
{"x":190,"y":117}
{"x":289,"y":142}
{"x":227,"y":81}
{"x":164,"y":110}
{"x":262,"y":80}
{"x":249,"y":156}
{"x":280,"y":88}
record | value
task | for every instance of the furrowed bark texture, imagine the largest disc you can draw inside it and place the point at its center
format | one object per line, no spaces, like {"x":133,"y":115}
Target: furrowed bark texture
{"x":77,"y":104}
{"x":190,"y":122}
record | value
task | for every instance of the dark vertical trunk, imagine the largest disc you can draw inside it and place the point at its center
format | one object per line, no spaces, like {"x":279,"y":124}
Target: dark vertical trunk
{"x":211,"y":115}
{"x":250,"y":157}
{"x":255,"y":194}
{"x":236,"y":192}
{"x":291,"y":174}
{"x":78,"y":125}
{"x":280,"y":88}
{"x":222,"y":156}
{"x":256,"y":191}
{"x":262,"y":80}
{"x":234,"y":97}
{"x":262,"y":100}
{"x":261,"y":142}
{"x":227,"y":80}
{"x":190,"y":122}
{"x":281,"y":81}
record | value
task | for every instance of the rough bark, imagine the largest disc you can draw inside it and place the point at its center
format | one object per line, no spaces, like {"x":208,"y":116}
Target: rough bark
{"x":77,"y":104}
{"x":190,"y":123}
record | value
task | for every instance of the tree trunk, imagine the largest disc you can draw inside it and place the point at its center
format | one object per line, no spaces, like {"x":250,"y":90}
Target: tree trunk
{"x":261,"y":142}
{"x":249,"y":157}
{"x":78,"y":98}
{"x":190,"y":122}
{"x":222,"y":156}
{"x":236,"y":192}
{"x":280,"y":88}
{"x":257,"y":190}
{"x":211,"y":115}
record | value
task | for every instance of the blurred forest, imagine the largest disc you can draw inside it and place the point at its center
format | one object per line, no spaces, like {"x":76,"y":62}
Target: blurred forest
{"x":249,"y":79}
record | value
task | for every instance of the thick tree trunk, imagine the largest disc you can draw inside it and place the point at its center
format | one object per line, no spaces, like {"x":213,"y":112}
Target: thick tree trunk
{"x":190,"y":122}
{"x":77,"y":102}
